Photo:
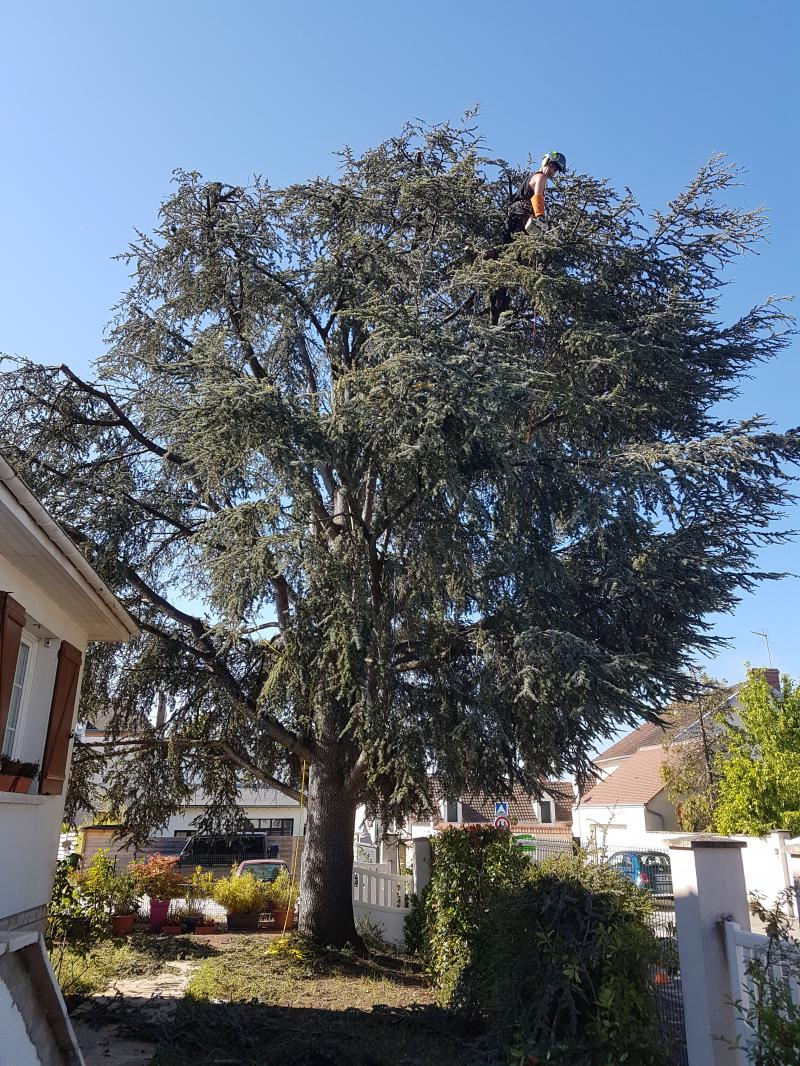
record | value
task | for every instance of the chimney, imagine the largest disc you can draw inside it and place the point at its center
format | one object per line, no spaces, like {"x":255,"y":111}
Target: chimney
{"x":771,"y":675}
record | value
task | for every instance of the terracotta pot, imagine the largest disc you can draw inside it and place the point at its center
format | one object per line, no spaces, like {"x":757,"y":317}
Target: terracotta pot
{"x":243,"y":923}
{"x":205,"y":930}
{"x":22,"y":785}
{"x":122,"y":924}
{"x":158,"y":913}
{"x":280,"y":918}
{"x":168,"y":929}
{"x":7,"y":782}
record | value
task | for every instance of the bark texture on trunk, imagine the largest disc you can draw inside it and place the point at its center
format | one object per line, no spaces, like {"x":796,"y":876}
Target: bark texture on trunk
{"x":326,"y":888}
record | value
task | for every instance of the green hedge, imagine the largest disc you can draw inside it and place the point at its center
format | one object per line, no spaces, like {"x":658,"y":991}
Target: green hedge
{"x":556,"y":959}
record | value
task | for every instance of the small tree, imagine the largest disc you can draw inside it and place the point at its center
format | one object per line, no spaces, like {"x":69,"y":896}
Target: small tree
{"x":759,"y":764}
{"x":693,"y":746}
{"x":389,"y":496}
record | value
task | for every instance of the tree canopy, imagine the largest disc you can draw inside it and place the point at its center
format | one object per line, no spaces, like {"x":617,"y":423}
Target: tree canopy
{"x":394,"y":496}
{"x":759,"y":766}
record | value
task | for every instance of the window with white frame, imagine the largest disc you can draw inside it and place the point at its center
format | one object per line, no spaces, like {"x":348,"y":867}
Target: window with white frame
{"x":545,"y":811}
{"x":19,"y":698}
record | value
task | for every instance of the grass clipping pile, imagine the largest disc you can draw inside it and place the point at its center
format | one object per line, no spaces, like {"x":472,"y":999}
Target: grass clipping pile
{"x":554,"y":959}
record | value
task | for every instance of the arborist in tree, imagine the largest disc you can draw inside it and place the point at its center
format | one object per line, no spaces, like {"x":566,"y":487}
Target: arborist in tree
{"x":528,"y":209}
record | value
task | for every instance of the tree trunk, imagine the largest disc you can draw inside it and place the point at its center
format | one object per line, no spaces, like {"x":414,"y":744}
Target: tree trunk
{"x":326,"y":889}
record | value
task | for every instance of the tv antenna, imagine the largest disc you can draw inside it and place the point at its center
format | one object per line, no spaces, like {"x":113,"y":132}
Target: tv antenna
{"x":765,"y":638}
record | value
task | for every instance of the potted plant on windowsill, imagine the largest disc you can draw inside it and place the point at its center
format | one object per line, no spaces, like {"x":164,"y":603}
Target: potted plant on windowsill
{"x":157,"y":878}
{"x":244,"y":898}
{"x":282,"y":896}
{"x":17,"y":776}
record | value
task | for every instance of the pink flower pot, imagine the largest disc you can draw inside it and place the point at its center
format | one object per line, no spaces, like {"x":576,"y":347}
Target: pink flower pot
{"x":158,"y":913}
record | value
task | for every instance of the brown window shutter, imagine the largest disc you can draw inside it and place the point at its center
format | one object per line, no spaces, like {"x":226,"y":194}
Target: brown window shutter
{"x":54,"y":761}
{"x":12,"y":622}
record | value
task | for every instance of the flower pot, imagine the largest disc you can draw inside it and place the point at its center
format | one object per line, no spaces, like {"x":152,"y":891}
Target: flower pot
{"x":76,"y":928}
{"x":205,"y":930}
{"x":243,"y":923}
{"x":7,"y":782}
{"x":122,"y":924}
{"x":158,"y":913}
{"x":281,"y":917}
{"x":22,"y":785}
{"x":190,"y":923}
{"x":171,"y":929}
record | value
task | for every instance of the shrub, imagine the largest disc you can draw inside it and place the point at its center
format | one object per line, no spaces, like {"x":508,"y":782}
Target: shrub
{"x":103,"y":889}
{"x":470,"y":867}
{"x":157,"y":877}
{"x":242,"y":895}
{"x":281,"y":893}
{"x":561,"y":968}
{"x":555,"y":958}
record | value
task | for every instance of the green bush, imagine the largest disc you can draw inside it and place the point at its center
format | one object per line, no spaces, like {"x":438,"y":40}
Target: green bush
{"x":562,"y":965}
{"x":470,"y":867}
{"x":242,"y":894}
{"x":556,"y":959}
{"x":281,"y":894}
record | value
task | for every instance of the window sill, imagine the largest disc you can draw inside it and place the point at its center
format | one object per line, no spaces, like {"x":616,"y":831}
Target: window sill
{"x":21,"y":797}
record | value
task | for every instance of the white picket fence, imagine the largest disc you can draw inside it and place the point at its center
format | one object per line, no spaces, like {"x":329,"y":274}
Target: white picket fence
{"x":382,"y":898}
{"x":741,"y":948}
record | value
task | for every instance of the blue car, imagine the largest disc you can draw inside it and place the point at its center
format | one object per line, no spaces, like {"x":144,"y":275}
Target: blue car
{"x":645,"y":869}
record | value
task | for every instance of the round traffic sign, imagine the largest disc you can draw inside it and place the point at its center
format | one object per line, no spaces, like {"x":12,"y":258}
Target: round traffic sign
{"x":502,"y":822}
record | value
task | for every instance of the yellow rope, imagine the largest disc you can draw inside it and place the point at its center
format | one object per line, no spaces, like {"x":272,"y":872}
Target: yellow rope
{"x":290,"y":908}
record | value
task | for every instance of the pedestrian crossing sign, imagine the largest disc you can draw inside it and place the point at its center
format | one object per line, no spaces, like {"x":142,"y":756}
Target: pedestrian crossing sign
{"x":500,"y":807}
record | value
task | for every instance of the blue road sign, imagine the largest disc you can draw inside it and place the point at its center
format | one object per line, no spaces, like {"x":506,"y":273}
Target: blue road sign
{"x":500,"y":807}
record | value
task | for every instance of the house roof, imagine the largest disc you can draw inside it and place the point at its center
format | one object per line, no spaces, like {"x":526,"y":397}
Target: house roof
{"x":636,"y":780}
{"x":38,"y":547}
{"x":676,"y":717}
{"x":479,"y":807}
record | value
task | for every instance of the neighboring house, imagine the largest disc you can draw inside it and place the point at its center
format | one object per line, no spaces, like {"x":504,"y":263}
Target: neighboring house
{"x":52,"y":605}
{"x":629,"y":797}
{"x":548,"y":815}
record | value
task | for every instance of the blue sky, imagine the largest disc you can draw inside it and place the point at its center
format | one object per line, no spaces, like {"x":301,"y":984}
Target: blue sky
{"x":101,"y":101}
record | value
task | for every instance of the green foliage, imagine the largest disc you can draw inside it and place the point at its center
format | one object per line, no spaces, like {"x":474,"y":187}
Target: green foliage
{"x":561,"y":968}
{"x":759,"y":771}
{"x":469,"y":869}
{"x":70,"y":916}
{"x":16,"y":768}
{"x":201,"y":885}
{"x":281,"y":894}
{"x":556,"y":958}
{"x":103,"y":889}
{"x":771,"y":1013}
{"x":157,"y":876}
{"x":242,"y":894}
{"x":694,"y":744}
{"x":415,"y":926}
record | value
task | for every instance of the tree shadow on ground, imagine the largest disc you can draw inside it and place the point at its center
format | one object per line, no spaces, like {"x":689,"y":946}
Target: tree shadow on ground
{"x":204,"y":1033}
{"x":172,"y":948}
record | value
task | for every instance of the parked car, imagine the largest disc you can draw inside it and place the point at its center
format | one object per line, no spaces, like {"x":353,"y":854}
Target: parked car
{"x":645,"y":869}
{"x":262,"y":869}
{"x":225,"y":851}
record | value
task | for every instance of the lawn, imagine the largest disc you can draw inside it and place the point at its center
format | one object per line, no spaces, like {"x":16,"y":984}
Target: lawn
{"x":257,"y":1001}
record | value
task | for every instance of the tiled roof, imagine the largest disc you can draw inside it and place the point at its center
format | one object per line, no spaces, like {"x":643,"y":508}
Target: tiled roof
{"x":651,"y":734}
{"x":479,"y":807}
{"x":636,"y":780}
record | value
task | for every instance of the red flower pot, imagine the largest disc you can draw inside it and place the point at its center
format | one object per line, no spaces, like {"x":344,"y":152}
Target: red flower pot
{"x":122,"y":924}
{"x":280,"y":918}
{"x":158,"y":913}
{"x":205,"y":930}
{"x":168,"y":929}
{"x":22,"y":785}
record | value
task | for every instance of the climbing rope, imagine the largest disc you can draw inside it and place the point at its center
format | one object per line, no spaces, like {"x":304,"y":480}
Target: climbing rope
{"x":296,"y":850}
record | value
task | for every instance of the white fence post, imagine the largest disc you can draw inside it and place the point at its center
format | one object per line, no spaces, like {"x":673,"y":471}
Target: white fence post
{"x":708,"y":882}
{"x":422,"y":864}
